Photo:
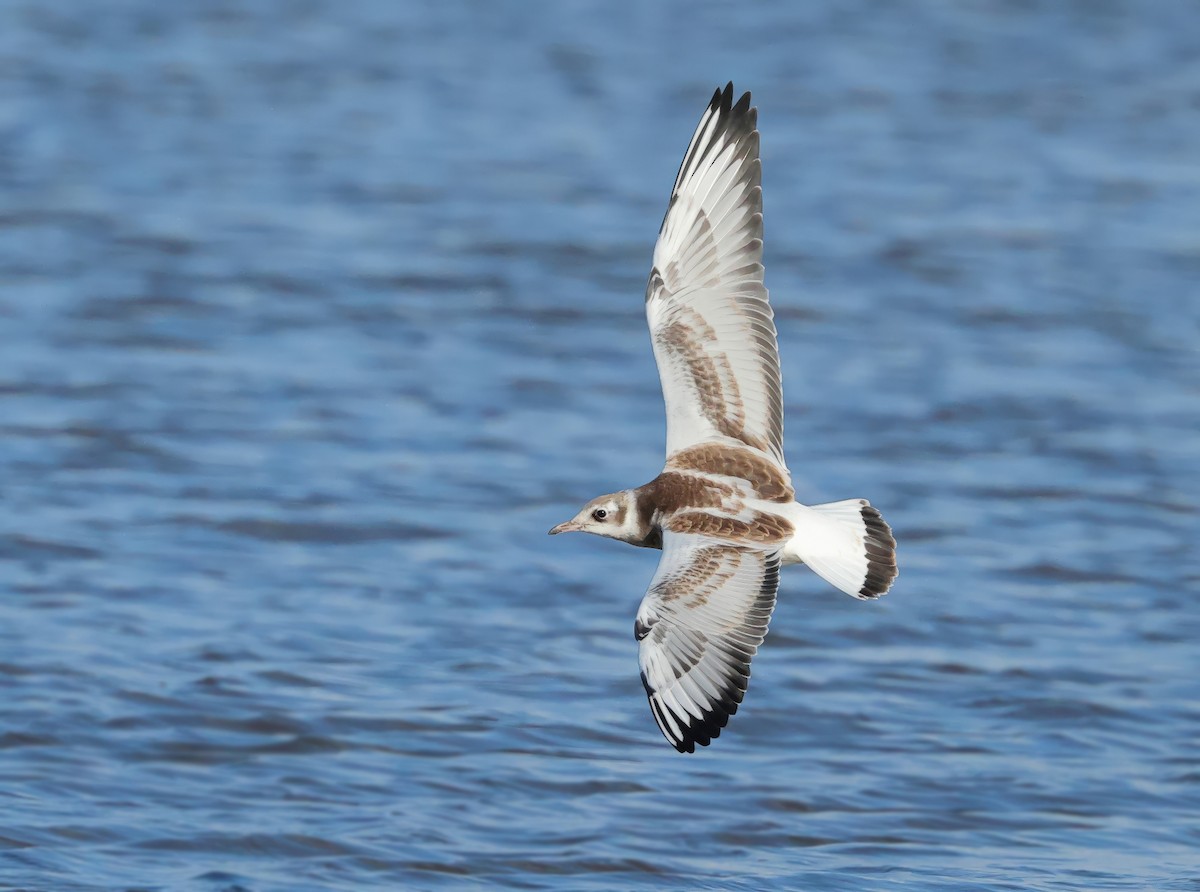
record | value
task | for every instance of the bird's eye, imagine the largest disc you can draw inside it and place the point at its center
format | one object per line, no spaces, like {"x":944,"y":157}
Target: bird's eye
{"x":599,"y":514}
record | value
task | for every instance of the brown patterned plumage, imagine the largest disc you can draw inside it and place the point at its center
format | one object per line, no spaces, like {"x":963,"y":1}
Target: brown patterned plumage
{"x":723,"y":510}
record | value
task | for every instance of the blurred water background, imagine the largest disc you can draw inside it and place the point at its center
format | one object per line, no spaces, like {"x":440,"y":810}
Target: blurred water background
{"x":315,"y":316}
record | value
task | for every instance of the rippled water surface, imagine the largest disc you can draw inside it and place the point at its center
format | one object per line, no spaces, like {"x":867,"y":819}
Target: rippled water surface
{"x":315,"y":316}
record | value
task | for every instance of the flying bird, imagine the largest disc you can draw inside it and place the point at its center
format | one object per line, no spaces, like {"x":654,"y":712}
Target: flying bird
{"x":723,"y":510}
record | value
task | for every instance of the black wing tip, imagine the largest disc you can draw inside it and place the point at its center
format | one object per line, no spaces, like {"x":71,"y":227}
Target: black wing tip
{"x":702,"y":731}
{"x":722,"y":103}
{"x":739,"y":122}
{"x":723,"y":99}
{"x":881,"y":555}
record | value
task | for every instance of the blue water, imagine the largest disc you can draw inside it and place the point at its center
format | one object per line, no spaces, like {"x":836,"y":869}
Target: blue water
{"x":315,"y":316}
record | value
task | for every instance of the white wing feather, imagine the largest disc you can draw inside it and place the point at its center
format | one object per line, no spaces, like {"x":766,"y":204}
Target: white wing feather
{"x":701,"y":622}
{"x":710,"y":322}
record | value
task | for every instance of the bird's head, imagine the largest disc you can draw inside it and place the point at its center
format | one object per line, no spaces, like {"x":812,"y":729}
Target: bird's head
{"x":613,"y":516}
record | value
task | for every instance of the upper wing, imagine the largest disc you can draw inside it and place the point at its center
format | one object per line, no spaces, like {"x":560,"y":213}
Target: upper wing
{"x":700,"y":623}
{"x":711,"y":325}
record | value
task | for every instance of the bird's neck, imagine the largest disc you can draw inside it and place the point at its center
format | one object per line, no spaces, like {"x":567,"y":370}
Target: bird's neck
{"x":646,"y":531}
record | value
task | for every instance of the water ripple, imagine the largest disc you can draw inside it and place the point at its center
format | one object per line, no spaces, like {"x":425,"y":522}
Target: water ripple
{"x":317,"y":317}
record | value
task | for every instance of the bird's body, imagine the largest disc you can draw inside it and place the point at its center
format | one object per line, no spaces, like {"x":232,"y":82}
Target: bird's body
{"x":723,"y":509}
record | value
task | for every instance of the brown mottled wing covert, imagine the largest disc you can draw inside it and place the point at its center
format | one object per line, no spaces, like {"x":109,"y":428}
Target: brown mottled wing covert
{"x":701,"y":622}
{"x":710,"y":322}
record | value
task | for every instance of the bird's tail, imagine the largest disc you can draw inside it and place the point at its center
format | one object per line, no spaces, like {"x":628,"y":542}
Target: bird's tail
{"x":849,"y":545}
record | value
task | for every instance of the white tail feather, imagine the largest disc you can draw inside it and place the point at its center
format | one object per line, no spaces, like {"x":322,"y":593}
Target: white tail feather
{"x":847,"y":544}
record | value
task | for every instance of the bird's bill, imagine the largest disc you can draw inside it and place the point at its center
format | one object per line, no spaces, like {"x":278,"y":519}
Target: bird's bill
{"x":570,"y":526}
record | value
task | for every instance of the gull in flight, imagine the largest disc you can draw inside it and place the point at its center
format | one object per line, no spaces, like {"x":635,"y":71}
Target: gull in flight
{"x":723,"y":510}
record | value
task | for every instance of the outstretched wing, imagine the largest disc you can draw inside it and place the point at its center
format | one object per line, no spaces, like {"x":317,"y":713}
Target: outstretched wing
{"x":699,"y":625}
{"x":710,"y":322}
